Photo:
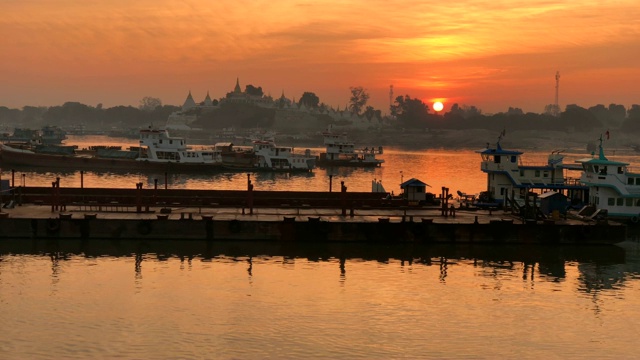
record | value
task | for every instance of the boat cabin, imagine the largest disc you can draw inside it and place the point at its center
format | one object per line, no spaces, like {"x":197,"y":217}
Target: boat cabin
{"x":509,"y":177}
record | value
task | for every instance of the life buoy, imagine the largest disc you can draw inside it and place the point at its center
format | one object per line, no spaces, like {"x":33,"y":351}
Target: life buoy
{"x":235,"y":226}
{"x":144,"y":227}
{"x":634,"y":219}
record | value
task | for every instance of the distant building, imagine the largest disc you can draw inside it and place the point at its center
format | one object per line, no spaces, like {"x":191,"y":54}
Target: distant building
{"x":288,"y":110}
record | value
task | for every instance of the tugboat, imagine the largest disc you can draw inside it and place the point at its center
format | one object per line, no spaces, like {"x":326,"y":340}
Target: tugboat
{"x":339,"y":151}
{"x":613,"y":188}
{"x":508,"y":179}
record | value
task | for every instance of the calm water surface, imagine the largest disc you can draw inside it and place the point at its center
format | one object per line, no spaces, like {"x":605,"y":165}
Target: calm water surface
{"x":261,"y":301}
{"x":194,"y":300}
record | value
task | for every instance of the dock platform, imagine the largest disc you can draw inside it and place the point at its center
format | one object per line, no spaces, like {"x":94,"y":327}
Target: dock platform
{"x":296,"y":223}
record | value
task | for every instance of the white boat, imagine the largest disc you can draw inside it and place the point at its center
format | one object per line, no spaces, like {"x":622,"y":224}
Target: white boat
{"x":157,"y":151}
{"x":613,"y":187}
{"x":339,"y":151}
{"x":508,"y":177}
{"x":269,"y":156}
{"x":157,"y":146}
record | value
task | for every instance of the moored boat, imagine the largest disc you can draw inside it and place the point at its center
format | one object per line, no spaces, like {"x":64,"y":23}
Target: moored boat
{"x":47,"y":135}
{"x":510,"y":179}
{"x":265,"y":155}
{"x":157,"y":151}
{"x":614,"y":189}
{"x":340,"y":151}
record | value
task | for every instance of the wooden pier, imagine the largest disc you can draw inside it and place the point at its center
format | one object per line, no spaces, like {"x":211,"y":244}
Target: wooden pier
{"x":212,"y":215}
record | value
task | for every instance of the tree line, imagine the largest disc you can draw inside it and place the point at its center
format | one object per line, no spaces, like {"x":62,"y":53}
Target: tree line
{"x":406,"y":112}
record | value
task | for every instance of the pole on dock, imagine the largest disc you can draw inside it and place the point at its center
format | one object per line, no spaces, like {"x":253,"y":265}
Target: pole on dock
{"x":249,"y":194}
{"x":165,"y":180}
{"x":330,"y":182}
{"x":81,"y":179}
{"x":13,"y":178}
{"x":343,"y":192}
{"x":139,"y":197}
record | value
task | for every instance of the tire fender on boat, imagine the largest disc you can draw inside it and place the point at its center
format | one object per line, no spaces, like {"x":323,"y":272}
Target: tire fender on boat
{"x":144,"y":227}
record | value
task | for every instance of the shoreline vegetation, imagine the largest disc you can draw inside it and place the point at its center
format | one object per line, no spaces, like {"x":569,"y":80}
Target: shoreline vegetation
{"x":475,"y":139}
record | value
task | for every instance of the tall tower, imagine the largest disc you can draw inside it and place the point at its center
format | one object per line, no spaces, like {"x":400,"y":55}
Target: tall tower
{"x":390,"y":97}
{"x":556,"y":106}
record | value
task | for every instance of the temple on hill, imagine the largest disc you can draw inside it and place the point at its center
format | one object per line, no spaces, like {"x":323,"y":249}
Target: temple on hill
{"x":287,"y":108}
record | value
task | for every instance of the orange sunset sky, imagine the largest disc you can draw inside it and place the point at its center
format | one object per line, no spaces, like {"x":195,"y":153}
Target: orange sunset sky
{"x":490,"y":54}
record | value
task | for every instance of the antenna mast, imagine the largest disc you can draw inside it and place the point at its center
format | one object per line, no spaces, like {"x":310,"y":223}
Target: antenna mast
{"x":556,"y":106}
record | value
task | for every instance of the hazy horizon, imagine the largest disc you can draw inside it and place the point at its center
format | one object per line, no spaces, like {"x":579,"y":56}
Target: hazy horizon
{"x":491,"y":55}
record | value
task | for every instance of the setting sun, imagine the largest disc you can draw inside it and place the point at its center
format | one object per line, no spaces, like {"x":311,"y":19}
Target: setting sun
{"x":438,"y":106}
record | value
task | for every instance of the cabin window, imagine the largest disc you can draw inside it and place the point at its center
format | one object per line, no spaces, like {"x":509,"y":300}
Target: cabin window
{"x":160,"y":141}
{"x":537,"y":174}
{"x":620,"y":170}
{"x":638,"y":202}
{"x":596,"y":168}
{"x":630,"y":181}
{"x":170,"y":142}
{"x":496,"y":159}
{"x":628,"y":202}
{"x":603,"y":171}
{"x":521,"y":173}
{"x":638,"y":181}
{"x":513,"y":159}
{"x":611,"y":201}
{"x":619,"y":201}
{"x":419,"y":189}
{"x":545,"y":174}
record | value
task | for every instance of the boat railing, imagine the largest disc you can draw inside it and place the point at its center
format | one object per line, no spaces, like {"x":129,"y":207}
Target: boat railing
{"x":532,"y":164}
{"x":573,"y":181}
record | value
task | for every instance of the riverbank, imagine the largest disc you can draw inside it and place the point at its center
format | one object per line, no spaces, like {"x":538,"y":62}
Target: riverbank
{"x":474,"y":139}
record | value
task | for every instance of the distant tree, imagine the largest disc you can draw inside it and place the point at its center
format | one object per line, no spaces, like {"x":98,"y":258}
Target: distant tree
{"x":410,"y":112}
{"x":372,"y":113}
{"x":149,"y":103}
{"x":471,"y":111}
{"x":634,"y":112}
{"x":551,"y":109}
{"x":69,"y":113}
{"x":618,"y":113}
{"x":309,"y":99}
{"x":514,"y":111}
{"x":358,"y":99}
{"x":456,"y":110}
{"x":253,"y":91}
{"x":576,"y":118}
{"x":9,"y":115}
{"x":632,"y":123}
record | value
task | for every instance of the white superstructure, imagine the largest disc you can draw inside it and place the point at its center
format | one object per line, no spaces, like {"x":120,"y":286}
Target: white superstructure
{"x":158,"y":146}
{"x":339,"y":151}
{"x":613,"y":186}
{"x":270,"y":156}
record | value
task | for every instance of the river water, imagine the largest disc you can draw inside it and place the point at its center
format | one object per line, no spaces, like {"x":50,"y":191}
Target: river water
{"x":194,"y":300}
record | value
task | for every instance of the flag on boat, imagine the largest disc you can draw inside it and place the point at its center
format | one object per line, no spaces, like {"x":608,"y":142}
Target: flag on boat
{"x":607,"y":134}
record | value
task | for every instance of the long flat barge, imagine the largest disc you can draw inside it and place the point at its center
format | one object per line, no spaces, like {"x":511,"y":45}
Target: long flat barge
{"x":148,"y":214}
